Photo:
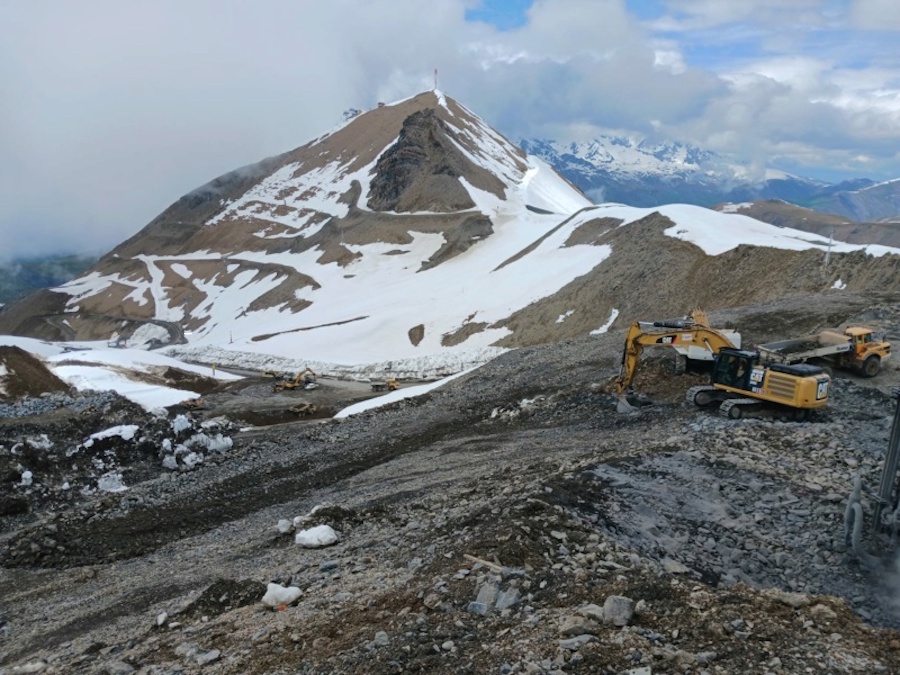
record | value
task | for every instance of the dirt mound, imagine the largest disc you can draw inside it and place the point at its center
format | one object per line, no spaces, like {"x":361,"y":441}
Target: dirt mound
{"x":183,"y":379}
{"x":21,"y":374}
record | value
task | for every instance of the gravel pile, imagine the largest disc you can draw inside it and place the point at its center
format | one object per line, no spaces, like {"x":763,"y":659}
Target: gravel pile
{"x":29,"y":406}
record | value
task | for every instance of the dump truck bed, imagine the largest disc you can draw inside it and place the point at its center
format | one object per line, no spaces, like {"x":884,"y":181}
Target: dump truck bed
{"x":819,"y":345}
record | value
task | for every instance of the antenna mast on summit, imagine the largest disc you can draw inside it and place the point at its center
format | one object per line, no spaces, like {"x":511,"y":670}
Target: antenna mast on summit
{"x":435,"y":78}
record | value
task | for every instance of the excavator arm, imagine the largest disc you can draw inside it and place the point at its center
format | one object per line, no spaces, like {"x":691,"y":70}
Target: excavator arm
{"x":665,"y":334}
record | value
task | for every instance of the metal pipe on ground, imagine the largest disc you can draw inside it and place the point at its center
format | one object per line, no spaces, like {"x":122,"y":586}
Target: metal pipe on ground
{"x":887,"y":499}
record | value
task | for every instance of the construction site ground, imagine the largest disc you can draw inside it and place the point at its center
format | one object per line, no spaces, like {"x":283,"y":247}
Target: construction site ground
{"x":509,"y":522}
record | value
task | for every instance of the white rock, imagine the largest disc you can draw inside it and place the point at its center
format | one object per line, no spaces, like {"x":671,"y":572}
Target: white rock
{"x":180,"y":423}
{"x":315,"y":537}
{"x":592,"y":611}
{"x":192,"y":459}
{"x":284,"y":526}
{"x":277,"y":595}
{"x":674,"y":567}
{"x":111,"y":482}
{"x":203,"y":658}
{"x":119,"y":668}
{"x":27,"y":478}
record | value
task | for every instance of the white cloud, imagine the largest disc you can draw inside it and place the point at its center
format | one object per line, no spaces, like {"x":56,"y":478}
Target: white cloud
{"x":875,"y":14}
{"x":693,"y":15}
{"x":112,"y":110}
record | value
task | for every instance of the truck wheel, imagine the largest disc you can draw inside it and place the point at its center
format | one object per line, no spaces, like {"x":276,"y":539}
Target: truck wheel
{"x":871,"y":366}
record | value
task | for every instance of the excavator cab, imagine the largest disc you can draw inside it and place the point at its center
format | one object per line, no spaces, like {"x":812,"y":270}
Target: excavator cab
{"x":732,"y":368}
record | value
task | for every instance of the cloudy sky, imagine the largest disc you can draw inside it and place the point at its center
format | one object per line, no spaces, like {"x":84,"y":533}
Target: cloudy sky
{"x":112,"y":109}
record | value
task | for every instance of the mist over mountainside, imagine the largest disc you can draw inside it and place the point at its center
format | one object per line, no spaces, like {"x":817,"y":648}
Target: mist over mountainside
{"x":415,"y":231}
{"x":22,"y":276}
{"x":873,"y":202}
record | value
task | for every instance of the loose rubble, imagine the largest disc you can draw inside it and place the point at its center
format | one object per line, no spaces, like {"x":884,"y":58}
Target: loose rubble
{"x":511,"y":522}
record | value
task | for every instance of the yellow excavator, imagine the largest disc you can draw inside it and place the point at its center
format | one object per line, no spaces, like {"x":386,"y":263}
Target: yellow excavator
{"x":741,"y":384}
{"x":305,"y":379}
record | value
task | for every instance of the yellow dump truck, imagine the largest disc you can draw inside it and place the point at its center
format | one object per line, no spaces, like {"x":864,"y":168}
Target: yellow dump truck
{"x":854,"y":349}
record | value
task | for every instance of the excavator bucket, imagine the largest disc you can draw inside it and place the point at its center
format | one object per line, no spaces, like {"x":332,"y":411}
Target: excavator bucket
{"x":624,"y":407}
{"x":632,"y":402}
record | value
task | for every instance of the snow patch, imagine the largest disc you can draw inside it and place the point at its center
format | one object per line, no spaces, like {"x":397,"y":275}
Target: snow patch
{"x":278,"y":595}
{"x":316,"y":537}
{"x":125,"y":431}
{"x":609,"y":322}
{"x":734,"y":208}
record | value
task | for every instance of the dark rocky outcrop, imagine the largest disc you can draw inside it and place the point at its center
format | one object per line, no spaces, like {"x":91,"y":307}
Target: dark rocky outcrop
{"x":421,"y":171}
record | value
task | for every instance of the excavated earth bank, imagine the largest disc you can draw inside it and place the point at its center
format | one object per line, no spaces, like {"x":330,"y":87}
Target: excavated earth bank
{"x":509,"y":522}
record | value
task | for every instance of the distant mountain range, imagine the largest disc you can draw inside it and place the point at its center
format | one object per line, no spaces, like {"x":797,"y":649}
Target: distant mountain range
{"x":640,"y":173}
{"x":21,"y":276}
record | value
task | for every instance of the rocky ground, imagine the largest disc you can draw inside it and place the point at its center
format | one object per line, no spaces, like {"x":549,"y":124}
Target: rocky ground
{"x":509,"y":522}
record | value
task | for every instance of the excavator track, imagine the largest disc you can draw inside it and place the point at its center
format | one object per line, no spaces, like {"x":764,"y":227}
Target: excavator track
{"x":736,"y":408}
{"x":703,"y":396}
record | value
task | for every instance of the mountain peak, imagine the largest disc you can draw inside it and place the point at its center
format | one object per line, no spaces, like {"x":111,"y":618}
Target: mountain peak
{"x":298,"y":242}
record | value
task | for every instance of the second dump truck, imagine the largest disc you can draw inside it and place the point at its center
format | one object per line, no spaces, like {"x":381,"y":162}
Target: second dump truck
{"x":854,"y":349}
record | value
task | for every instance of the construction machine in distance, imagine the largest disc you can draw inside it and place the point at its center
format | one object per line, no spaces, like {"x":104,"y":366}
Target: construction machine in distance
{"x":741,"y":384}
{"x":390,"y":384}
{"x":305,"y":379}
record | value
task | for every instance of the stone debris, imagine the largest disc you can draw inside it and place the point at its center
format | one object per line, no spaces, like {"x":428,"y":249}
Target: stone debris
{"x":561,"y":539}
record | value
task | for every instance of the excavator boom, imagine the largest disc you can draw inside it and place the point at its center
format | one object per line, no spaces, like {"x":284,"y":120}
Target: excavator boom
{"x":664,"y":334}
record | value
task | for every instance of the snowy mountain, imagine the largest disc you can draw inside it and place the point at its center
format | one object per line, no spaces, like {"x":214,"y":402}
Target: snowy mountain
{"x":869,"y":202}
{"x":622,"y":156}
{"x":415,"y":232}
{"x":641,"y":173}
{"x":784,"y":214}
